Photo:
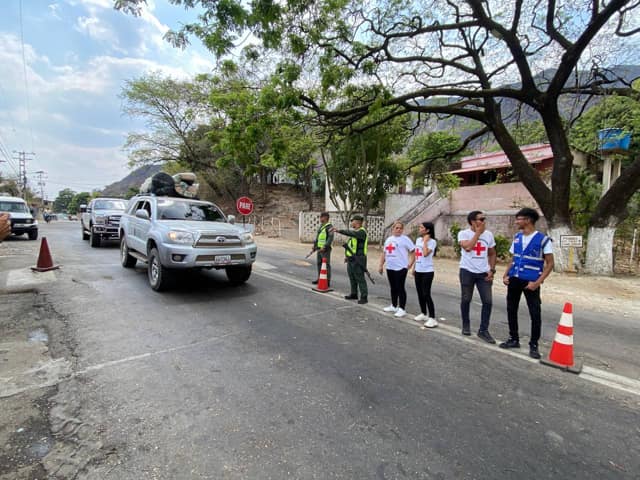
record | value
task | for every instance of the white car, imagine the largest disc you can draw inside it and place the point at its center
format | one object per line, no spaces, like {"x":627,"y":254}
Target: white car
{"x":22,"y":220}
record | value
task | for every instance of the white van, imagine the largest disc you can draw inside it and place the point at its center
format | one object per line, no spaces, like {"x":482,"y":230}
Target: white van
{"x":21,"y":219}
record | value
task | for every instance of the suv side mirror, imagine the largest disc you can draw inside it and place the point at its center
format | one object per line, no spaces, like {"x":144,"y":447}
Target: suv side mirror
{"x":231,"y":219}
{"x":142,"y":213}
{"x":83,"y":208}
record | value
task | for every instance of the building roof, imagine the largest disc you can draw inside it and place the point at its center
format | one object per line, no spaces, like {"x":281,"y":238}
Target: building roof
{"x":536,"y":153}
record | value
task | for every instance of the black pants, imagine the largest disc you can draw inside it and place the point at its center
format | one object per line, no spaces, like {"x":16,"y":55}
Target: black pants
{"x":514,"y":291}
{"x":423,"y":286}
{"x":398,"y":291}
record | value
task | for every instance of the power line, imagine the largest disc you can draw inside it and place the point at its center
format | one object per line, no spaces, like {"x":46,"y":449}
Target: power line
{"x":26,"y":83}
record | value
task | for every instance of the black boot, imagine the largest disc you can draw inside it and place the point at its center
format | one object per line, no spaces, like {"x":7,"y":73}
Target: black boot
{"x":353,"y":296}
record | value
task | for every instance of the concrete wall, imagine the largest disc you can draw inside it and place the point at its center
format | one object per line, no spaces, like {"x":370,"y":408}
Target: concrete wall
{"x":397,"y":204}
{"x":309,"y":222}
{"x":503,"y":197}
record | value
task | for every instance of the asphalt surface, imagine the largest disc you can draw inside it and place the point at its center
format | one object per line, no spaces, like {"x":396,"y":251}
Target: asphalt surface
{"x":271,"y":380}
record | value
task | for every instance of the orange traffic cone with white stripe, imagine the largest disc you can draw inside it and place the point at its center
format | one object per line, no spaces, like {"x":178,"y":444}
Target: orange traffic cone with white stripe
{"x":323,"y":280}
{"x":561,"y":354}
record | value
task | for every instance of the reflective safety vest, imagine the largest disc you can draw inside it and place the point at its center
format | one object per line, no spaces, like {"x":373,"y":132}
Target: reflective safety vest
{"x":321,"y":240}
{"x":528,"y":264}
{"x":353,"y":243}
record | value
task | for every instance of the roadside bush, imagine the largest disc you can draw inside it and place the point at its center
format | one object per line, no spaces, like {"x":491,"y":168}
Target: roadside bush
{"x":502,"y":246}
{"x":453,"y":230}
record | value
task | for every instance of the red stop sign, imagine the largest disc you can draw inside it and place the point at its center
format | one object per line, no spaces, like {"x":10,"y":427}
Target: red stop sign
{"x":244,"y":205}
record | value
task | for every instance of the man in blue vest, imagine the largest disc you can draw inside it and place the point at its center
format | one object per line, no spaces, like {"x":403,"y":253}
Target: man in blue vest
{"x":322,"y":245}
{"x":531,"y":263}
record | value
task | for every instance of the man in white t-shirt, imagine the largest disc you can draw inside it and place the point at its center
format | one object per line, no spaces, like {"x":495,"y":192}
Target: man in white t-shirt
{"x":531,"y":262}
{"x":477,"y":266}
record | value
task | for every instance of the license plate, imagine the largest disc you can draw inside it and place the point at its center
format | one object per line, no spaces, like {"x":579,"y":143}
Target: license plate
{"x":222,"y":259}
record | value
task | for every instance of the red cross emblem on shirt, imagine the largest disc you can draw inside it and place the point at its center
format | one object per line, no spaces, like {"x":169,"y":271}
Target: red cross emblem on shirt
{"x":390,"y":248}
{"x":479,"y":249}
{"x":418,"y":252}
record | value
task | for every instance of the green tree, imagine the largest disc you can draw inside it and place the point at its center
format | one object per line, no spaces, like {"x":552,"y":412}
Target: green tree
{"x":360,"y":168}
{"x":81,"y":198}
{"x":430,"y":159}
{"x":62,"y":201}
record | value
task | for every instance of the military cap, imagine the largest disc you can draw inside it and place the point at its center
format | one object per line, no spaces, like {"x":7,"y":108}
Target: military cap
{"x":358,"y":218}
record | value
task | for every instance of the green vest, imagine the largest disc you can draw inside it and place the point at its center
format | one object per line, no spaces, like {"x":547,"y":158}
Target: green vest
{"x":353,"y":245}
{"x":321,"y":241}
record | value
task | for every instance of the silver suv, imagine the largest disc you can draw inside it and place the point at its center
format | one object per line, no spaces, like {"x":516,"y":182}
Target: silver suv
{"x":100,"y":219}
{"x":170,"y":233}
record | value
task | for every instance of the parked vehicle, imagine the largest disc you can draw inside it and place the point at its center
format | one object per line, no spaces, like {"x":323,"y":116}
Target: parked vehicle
{"x":171,"y":233}
{"x":22,"y":220}
{"x":100,"y":219}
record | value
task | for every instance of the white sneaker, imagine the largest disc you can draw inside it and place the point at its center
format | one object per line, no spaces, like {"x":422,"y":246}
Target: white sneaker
{"x":431,"y":323}
{"x":390,"y":308}
{"x":400,"y":312}
{"x":420,"y":318}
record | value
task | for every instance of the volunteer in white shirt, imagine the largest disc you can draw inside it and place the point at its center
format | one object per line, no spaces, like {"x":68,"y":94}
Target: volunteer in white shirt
{"x":477,"y":266}
{"x":398,"y":256}
{"x":424,"y":273}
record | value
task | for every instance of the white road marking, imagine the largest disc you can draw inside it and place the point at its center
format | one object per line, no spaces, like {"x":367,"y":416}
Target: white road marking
{"x":594,"y":375}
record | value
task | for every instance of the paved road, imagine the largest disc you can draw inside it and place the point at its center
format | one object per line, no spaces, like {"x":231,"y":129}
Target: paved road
{"x":271,"y":380}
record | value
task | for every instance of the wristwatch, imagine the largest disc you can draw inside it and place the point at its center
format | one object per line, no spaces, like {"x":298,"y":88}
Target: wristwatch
{"x":493,"y":270}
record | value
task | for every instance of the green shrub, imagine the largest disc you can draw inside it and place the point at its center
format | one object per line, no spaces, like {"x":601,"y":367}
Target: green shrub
{"x":502,"y":246}
{"x":454,"y":229}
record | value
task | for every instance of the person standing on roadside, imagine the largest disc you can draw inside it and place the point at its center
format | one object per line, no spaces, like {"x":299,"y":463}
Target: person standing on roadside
{"x":423,"y":271}
{"x":477,"y":267}
{"x":398,"y":256}
{"x":356,"y":258}
{"x":5,"y":226}
{"x":322,"y":245}
{"x":531,"y":263}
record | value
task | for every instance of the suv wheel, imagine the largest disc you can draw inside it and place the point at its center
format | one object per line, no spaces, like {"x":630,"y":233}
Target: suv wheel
{"x":33,"y":235}
{"x":127,"y":260}
{"x":159,"y":276}
{"x":238,"y":275}
{"x":85,"y":235}
{"x":94,"y":239}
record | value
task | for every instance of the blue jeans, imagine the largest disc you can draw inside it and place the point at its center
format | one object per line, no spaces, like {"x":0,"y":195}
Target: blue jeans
{"x":468,"y":280}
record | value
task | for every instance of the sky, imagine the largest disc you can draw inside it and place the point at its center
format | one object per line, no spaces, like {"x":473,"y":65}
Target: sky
{"x":63,"y":64}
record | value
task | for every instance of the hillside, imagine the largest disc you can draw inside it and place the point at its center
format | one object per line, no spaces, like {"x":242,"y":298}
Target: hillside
{"x":133,"y":180}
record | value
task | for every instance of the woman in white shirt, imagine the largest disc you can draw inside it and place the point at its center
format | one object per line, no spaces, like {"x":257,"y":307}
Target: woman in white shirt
{"x":398,"y":256}
{"x":423,"y":272}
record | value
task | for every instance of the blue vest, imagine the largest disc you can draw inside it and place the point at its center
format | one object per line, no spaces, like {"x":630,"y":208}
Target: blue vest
{"x":528,"y":264}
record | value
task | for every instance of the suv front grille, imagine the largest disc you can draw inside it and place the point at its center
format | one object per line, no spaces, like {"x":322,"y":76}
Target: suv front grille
{"x":114,"y":220}
{"x":209,"y":240}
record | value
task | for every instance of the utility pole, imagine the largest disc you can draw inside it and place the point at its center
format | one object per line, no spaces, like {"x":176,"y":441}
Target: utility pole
{"x":41,"y":184}
{"x":22,"y":167}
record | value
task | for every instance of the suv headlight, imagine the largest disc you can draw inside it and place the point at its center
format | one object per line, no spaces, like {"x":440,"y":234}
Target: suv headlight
{"x":247,"y":238}
{"x":180,"y":236}
{"x":100,"y":219}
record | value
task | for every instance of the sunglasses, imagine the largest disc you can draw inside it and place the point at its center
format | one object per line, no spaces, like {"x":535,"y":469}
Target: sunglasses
{"x":481,"y":219}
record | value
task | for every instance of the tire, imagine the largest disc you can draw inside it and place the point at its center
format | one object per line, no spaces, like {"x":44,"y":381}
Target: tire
{"x":238,"y":275}
{"x":33,"y":235}
{"x":126,"y":259}
{"x":160,"y":277}
{"x":94,"y":240}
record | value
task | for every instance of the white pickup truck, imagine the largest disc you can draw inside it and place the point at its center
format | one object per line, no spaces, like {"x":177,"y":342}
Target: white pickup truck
{"x":100,"y":219}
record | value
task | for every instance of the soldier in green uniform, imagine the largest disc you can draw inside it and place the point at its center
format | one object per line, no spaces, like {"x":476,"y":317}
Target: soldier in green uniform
{"x":356,"y":258}
{"x":322,"y":245}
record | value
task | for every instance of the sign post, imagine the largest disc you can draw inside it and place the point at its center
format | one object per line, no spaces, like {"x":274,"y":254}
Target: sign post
{"x":571,"y":242}
{"x":244,"y":205}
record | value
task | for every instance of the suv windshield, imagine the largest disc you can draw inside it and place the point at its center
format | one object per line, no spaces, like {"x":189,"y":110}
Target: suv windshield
{"x":110,"y":205}
{"x":172,"y":210}
{"x":15,"y":207}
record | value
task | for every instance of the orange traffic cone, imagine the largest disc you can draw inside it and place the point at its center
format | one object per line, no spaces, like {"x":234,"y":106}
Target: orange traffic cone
{"x":45,"y":262}
{"x":323,"y":281}
{"x":561,"y":354}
